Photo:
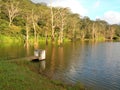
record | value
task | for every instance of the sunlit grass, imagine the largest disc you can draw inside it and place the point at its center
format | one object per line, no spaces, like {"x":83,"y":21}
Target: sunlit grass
{"x":17,"y":75}
{"x":10,"y":39}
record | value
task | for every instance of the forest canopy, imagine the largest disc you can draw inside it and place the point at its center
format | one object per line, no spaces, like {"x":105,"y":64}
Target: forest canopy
{"x":25,"y":19}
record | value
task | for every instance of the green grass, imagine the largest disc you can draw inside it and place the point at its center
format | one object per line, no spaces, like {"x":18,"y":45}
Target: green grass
{"x":18,"y":76}
{"x":18,"y":39}
{"x":10,"y":39}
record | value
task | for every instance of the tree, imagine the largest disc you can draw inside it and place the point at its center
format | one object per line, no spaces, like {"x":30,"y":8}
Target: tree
{"x":27,"y":27}
{"x":40,"y":20}
{"x":52,"y":23}
{"x":26,"y":15}
{"x":44,"y":21}
{"x":34,"y":18}
{"x":111,"y":31}
{"x":85,"y":28}
{"x":73,"y":25}
{"x":12,"y":10}
{"x":61,"y":22}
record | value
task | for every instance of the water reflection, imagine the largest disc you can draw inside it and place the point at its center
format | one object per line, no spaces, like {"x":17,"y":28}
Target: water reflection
{"x":94,"y":64}
{"x":27,"y":47}
{"x":42,"y":65}
{"x":61,"y":56}
{"x":52,"y":62}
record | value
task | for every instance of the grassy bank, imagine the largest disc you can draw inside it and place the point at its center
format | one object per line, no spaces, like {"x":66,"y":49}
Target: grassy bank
{"x":21,"y":39}
{"x":18,"y":76}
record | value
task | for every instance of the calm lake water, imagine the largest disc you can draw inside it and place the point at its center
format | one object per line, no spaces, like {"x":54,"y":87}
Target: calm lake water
{"x":95,"y":65}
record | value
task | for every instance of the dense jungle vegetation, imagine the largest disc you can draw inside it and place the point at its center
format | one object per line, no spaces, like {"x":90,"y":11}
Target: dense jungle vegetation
{"x":23,"y":20}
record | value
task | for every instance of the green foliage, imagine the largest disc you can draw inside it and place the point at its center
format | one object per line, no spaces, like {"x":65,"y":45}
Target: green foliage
{"x":3,"y":26}
{"x":3,"y":16}
{"x":74,"y":27}
{"x":19,"y":21}
{"x":101,"y":38}
{"x":10,"y":39}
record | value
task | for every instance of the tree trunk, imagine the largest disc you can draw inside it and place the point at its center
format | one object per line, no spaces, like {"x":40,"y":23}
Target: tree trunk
{"x":60,"y":40}
{"x":46,"y":38}
{"x":10,"y":21}
{"x":27,"y":34}
{"x":93,"y":31}
{"x":52,"y":25}
{"x":34,"y":27}
{"x":73,"y":32}
{"x":35,"y":33}
{"x":111,"y":29}
{"x":82,"y":35}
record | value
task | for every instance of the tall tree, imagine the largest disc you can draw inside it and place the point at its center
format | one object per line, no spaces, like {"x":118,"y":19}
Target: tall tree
{"x":75,"y":22}
{"x":111,"y":31}
{"x":34,"y":18}
{"x":62,"y":15}
{"x":44,"y":21}
{"x":12,"y":10}
{"x":52,"y":23}
{"x":26,"y":15}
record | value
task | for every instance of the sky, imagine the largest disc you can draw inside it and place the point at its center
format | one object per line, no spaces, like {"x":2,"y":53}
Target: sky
{"x":108,"y":10}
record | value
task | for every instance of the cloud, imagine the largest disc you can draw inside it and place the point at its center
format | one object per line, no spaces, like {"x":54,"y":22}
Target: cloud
{"x":37,"y":1}
{"x":112,"y":17}
{"x":74,"y":5}
{"x":96,"y":4}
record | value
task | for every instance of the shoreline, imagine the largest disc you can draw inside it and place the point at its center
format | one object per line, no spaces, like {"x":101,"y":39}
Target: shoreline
{"x":17,"y":73}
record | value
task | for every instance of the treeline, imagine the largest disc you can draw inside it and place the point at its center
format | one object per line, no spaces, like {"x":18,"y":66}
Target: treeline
{"x":25,"y":19}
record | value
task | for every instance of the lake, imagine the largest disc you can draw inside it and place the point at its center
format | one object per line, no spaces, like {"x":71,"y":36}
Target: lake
{"x":95,"y":65}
